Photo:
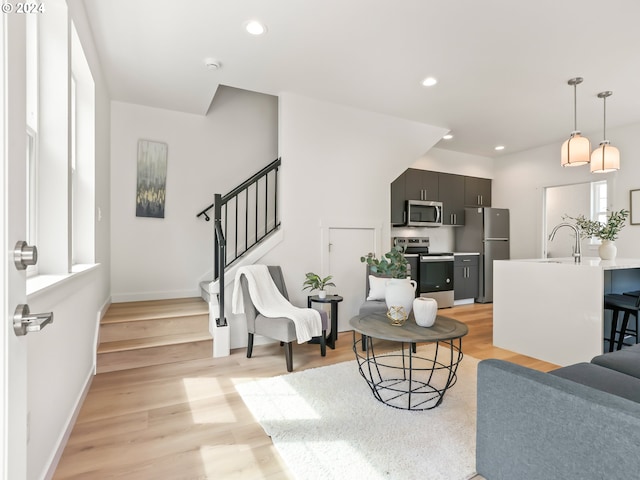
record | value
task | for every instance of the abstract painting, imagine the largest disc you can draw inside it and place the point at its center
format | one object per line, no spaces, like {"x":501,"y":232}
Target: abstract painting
{"x":152,"y":179}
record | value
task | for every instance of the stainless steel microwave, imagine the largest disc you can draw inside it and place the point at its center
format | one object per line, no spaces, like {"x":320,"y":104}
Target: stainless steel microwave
{"x":421,"y":213}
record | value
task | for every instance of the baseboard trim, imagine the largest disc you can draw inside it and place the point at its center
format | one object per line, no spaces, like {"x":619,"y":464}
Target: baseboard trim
{"x":64,"y":437}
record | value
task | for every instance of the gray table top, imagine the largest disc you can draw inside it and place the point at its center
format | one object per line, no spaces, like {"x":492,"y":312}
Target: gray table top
{"x":377,"y":325}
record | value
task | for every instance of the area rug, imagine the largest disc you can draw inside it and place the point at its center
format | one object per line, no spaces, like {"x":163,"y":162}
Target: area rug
{"x":326,"y":424}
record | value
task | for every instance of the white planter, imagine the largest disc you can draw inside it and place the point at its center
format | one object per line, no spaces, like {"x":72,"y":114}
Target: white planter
{"x":425,"y":311}
{"x":322,"y":293}
{"x":400,"y":292}
{"x":607,"y":250}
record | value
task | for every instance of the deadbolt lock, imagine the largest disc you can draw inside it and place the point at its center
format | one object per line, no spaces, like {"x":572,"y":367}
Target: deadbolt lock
{"x":24,"y":256}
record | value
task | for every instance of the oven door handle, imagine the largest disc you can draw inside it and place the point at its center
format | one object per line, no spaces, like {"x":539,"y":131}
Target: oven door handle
{"x":411,"y":255}
{"x":436,"y":259}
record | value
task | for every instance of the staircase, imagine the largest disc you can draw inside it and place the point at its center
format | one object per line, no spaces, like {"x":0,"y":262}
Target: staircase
{"x":140,"y":334}
{"x":246,"y":225}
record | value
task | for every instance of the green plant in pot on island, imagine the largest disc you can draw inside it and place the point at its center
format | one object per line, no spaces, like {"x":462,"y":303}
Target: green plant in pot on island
{"x":606,"y":231}
{"x":316,"y":282}
{"x":393,"y":266}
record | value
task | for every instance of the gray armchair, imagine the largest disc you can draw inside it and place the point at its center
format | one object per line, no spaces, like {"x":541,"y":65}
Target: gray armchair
{"x":282,"y":329}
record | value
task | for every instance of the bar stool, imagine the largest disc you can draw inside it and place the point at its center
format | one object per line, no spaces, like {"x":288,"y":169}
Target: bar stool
{"x":627,"y":304}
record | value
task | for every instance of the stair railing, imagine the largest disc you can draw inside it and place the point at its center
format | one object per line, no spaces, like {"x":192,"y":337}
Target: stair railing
{"x":246,"y":215}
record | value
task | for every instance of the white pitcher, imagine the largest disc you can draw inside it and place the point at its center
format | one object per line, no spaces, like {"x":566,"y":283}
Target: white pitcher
{"x":400,"y":292}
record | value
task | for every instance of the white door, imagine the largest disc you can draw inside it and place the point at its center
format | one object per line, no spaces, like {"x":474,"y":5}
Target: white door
{"x":346,"y":246}
{"x":13,"y":371}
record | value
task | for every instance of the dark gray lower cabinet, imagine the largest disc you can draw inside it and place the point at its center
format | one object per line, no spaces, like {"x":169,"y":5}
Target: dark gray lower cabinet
{"x":466,"y":277}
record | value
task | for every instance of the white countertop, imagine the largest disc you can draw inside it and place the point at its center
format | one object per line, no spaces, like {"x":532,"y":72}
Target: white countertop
{"x":617,"y":264}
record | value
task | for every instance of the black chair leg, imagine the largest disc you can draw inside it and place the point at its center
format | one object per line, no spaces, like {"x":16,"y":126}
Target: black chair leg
{"x":288,"y":355}
{"x":614,"y":328}
{"x":323,"y":343}
{"x":625,"y":322}
{"x":413,"y":347}
{"x":364,"y":342}
{"x":250,"y":345}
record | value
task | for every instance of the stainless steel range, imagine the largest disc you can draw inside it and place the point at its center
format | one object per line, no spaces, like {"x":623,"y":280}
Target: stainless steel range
{"x":432,"y":271}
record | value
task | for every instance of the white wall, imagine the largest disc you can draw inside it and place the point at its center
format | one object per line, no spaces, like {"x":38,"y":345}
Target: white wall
{"x":520,"y":178}
{"x":448,"y":161}
{"x":166,"y":258}
{"x":61,"y":358}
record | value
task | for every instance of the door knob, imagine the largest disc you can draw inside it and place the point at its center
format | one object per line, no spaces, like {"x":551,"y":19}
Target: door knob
{"x":24,"y":321}
{"x":24,"y":256}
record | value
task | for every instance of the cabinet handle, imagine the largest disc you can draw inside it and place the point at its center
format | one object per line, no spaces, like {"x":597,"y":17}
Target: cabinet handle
{"x":404,"y":216}
{"x":481,"y":200}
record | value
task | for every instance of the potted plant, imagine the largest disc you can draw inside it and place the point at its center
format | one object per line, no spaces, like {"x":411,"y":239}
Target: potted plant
{"x":399,"y":290}
{"x":606,"y":231}
{"x":392,"y":264}
{"x":316,"y":282}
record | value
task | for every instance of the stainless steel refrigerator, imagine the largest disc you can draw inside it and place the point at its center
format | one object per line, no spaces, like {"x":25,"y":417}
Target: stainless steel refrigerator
{"x":486,"y":231}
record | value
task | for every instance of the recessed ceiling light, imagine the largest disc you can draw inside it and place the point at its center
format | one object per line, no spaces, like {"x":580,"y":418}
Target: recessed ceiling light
{"x":429,"y":82}
{"x":448,"y":136}
{"x":212,"y":63}
{"x":499,"y":147}
{"x":255,"y":28}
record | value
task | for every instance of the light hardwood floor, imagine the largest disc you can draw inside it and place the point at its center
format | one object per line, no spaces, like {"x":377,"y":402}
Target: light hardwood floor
{"x":186,"y":420}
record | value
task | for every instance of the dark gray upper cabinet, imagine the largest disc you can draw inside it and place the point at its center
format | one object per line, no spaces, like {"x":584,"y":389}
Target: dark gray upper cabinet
{"x":421,"y":184}
{"x":477,"y":192}
{"x":455,"y":192}
{"x":451,"y":189}
{"x":397,"y":200}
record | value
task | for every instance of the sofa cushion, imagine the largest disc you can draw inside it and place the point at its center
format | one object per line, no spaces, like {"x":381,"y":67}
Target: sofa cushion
{"x":626,"y":360}
{"x":601,"y":378}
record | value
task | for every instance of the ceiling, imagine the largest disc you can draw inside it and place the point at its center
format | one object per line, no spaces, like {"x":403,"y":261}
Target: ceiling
{"x":502,"y":65}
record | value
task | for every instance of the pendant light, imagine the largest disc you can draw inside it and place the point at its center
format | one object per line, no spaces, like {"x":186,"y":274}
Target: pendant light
{"x":605,"y":158}
{"x":577,"y":149}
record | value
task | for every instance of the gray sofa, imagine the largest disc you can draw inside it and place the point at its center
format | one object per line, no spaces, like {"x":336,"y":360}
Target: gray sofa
{"x":579,"y":422}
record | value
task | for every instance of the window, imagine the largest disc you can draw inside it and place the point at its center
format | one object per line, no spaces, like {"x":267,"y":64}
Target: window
{"x":599,"y":201}
{"x":60,"y":145}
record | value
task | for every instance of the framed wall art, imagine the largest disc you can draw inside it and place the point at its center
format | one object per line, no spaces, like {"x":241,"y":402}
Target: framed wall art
{"x":152,"y":179}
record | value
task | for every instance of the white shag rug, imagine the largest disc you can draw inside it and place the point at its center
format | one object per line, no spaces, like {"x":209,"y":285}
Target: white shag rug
{"x":326,"y":424}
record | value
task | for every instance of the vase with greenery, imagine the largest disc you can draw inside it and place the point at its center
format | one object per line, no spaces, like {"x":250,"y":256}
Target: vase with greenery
{"x":392,"y":264}
{"x":399,"y":290}
{"x":316,"y":282}
{"x":606,"y":231}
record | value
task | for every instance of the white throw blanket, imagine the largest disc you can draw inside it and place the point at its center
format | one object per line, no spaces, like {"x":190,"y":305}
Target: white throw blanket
{"x":271,"y":303}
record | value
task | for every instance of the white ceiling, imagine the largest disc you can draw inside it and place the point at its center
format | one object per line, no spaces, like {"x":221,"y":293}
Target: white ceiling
{"x":502,"y":65}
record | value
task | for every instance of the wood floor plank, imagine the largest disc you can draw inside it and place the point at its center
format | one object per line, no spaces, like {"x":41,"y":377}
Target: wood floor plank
{"x":186,"y":420}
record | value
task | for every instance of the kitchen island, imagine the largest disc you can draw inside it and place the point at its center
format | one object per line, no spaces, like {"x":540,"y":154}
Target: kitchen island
{"x":552,"y":309}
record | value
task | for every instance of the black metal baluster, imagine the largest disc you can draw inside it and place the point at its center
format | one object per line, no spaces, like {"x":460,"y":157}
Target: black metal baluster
{"x":246,"y":220}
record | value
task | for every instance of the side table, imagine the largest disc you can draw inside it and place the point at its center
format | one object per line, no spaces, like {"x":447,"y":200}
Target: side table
{"x":333,"y":300}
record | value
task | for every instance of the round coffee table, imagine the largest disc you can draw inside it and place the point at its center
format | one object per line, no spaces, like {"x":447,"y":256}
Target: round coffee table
{"x":405,"y":379}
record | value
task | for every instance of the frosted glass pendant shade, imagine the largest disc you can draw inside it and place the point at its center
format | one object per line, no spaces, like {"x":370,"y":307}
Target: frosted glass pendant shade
{"x":605,"y":158}
{"x":576,"y":151}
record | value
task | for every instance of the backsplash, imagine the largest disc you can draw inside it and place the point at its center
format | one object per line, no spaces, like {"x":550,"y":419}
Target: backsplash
{"x":441,"y":239}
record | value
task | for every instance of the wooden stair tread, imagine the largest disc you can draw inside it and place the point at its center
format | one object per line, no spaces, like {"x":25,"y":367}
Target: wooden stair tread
{"x":150,"y":342}
{"x":155,"y":309}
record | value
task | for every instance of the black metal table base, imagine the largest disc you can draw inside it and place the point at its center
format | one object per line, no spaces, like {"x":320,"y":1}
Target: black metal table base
{"x":407,"y":380}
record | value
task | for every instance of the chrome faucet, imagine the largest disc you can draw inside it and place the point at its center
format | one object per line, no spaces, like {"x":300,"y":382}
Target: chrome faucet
{"x":577,"y":254}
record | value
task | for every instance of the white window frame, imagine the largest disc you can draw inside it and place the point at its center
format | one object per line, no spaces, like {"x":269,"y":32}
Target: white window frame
{"x":599,"y":204}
